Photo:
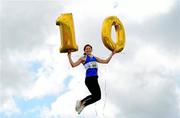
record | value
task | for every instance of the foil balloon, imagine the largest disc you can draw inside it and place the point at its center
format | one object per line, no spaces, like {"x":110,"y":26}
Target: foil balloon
{"x":110,"y":21}
{"x":66,"y":26}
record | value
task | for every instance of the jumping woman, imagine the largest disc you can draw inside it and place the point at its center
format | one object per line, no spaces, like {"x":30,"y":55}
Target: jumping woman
{"x":90,"y":63}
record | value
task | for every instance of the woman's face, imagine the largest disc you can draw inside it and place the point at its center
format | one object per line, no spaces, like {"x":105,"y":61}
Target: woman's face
{"x":88,"y":50}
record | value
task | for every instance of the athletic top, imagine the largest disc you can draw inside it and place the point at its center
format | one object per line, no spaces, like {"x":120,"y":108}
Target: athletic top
{"x":90,"y":65}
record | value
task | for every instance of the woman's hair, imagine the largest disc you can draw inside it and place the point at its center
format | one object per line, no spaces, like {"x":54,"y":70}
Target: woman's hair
{"x":87,"y":46}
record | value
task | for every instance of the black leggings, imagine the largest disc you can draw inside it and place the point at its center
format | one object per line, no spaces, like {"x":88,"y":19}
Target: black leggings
{"x":93,"y":86}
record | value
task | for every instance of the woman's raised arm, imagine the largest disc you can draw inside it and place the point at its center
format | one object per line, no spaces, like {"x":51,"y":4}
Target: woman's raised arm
{"x":105,"y":61}
{"x":74,"y":64}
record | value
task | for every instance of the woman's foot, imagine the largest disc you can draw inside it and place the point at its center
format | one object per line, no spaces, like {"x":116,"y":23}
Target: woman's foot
{"x":79,"y":106}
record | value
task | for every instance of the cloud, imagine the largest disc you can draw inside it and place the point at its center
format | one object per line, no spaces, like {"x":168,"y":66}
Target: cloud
{"x":162,"y":30}
{"x":147,"y":89}
{"x":25,"y":28}
{"x":138,"y":88}
{"x":8,"y":106}
{"x":141,"y":81}
{"x":25,"y":25}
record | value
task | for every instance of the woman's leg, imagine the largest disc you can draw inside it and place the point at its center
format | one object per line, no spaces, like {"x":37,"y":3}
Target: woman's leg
{"x":93,"y":86}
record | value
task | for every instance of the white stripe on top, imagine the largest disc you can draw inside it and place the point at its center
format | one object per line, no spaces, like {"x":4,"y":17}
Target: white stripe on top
{"x":91,"y":64}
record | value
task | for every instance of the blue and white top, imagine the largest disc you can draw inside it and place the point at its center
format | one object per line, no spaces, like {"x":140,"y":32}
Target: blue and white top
{"x":90,"y":65}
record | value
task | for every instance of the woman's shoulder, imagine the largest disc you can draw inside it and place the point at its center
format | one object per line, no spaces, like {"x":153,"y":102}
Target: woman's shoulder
{"x":84,"y":56}
{"x":94,"y":56}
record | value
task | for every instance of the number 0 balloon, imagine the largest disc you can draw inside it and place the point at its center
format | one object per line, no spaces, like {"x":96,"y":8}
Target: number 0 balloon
{"x":120,"y":34}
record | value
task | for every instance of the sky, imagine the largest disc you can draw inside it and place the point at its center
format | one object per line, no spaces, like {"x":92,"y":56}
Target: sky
{"x":142,"y":81}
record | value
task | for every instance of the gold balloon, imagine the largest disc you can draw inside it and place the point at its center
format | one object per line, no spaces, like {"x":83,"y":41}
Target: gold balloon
{"x":106,"y":34}
{"x":66,"y":26}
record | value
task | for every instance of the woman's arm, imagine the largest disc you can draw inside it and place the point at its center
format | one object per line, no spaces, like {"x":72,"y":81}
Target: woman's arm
{"x":74,"y":64}
{"x":105,"y":61}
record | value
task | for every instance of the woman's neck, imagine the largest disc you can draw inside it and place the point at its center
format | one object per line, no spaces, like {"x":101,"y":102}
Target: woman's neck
{"x":90,"y":55}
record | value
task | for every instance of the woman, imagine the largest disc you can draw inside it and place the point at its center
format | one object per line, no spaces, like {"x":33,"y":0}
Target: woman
{"x":91,"y":80}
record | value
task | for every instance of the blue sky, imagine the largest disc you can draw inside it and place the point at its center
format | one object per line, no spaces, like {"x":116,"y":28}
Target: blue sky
{"x":34,"y":66}
{"x":38,"y":82}
{"x":32,"y":108}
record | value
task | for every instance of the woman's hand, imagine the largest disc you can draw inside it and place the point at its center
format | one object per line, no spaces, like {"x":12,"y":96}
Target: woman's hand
{"x":69,"y":52}
{"x":114,"y":52}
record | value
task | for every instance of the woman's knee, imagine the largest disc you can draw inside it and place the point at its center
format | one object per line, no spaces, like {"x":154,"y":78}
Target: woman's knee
{"x":98,"y":97}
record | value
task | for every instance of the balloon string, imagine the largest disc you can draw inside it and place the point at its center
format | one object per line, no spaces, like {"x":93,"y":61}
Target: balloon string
{"x":105,"y":98}
{"x":96,"y":111}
